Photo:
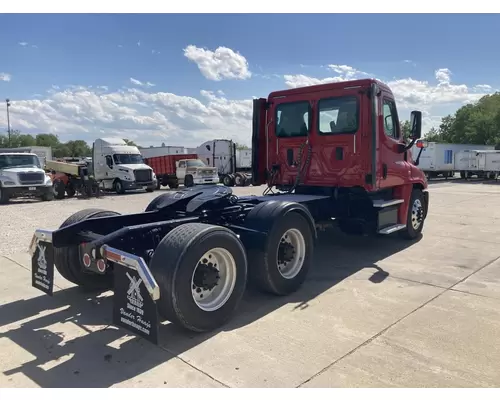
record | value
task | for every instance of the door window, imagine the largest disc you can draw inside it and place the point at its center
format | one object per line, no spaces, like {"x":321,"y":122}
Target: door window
{"x":109,"y":161}
{"x":391,"y":124}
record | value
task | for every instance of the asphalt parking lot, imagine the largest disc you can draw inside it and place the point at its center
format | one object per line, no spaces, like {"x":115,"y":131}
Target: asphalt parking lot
{"x":375,"y":312}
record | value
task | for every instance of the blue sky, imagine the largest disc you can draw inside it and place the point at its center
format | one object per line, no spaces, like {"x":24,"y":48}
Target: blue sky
{"x":52,"y":66}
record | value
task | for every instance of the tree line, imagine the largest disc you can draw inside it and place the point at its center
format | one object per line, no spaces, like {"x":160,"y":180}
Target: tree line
{"x":474,"y":123}
{"x":71,"y":148}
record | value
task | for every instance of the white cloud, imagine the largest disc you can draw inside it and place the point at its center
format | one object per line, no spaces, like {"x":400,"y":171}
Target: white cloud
{"x":140,"y":83}
{"x":24,"y":44}
{"x":223,"y":63}
{"x":5,"y":77}
{"x":344,"y":73}
{"x":78,"y":112}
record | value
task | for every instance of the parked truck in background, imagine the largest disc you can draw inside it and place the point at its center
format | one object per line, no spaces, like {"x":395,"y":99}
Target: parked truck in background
{"x":188,"y":258}
{"x":185,"y":169}
{"x":121,"y":167}
{"x":22,"y":175}
{"x":439,"y":159}
{"x":233,"y":166}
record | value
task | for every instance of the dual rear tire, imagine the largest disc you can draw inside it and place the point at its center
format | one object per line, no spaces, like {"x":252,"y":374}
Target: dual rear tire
{"x":202,"y":269}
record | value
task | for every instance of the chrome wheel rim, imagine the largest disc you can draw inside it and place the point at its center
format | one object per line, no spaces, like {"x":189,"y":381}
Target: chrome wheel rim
{"x":213,"y":279}
{"x":291,"y":253}
{"x":416,"y":214}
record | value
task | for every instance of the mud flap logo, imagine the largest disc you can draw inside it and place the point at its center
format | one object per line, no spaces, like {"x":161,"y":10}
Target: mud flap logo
{"x":42,"y":268}
{"x":133,"y":308}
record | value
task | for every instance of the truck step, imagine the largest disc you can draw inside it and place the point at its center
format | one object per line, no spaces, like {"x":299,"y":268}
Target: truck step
{"x":391,"y":229}
{"x":386,"y":203}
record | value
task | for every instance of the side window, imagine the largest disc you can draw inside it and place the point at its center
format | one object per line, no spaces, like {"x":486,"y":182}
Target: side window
{"x":338,"y":115}
{"x":292,"y":119}
{"x":390,"y":119}
{"x":109,"y":161}
{"x":182,"y":164}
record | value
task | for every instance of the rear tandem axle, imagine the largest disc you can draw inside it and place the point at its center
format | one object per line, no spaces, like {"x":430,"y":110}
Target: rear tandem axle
{"x":191,"y":252}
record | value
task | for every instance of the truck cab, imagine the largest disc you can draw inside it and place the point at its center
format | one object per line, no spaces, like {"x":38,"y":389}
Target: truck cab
{"x":121,"y":167}
{"x":194,"y":172}
{"x":21,"y":175}
{"x":341,"y":139}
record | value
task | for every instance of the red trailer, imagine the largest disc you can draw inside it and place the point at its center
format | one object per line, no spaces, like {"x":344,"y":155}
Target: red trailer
{"x":165,"y":168}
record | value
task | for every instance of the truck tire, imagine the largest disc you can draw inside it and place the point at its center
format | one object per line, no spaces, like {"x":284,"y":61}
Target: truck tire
{"x":70,"y":191}
{"x":4,"y":196}
{"x":189,"y":181}
{"x":186,"y":265}
{"x":228,"y":180}
{"x":118,"y":187}
{"x":48,"y":196}
{"x":281,"y":265}
{"x":67,"y":259}
{"x":59,"y":189}
{"x":239,"y":179}
{"x":415,"y":217}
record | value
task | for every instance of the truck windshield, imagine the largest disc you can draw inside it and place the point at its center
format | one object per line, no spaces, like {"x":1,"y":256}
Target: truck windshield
{"x":19,"y":160}
{"x":292,"y":119}
{"x":195,"y":163}
{"x":128,"y":159}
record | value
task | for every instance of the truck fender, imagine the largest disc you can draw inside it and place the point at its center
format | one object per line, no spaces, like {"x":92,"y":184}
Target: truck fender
{"x":261,"y":218}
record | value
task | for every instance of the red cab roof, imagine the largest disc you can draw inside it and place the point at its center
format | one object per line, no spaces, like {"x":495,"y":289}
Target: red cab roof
{"x":327,"y":86}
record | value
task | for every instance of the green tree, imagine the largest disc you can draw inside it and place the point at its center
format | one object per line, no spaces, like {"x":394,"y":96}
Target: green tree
{"x":77,"y":148}
{"x":405,"y":129}
{"x":17,"y":139}
{"x":240,"y":146}
{"x":47,"y":140}
{"x":433,"y":135}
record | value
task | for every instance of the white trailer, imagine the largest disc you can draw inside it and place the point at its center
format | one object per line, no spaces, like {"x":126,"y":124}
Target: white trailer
{"x":438,"y":159}
{"x":149,"y":152}
{"x":480,"y":163}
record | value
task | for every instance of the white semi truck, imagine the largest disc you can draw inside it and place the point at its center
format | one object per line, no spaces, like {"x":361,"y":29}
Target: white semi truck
{"x":22,"y":175}
{"x":121,"y":167}
{"x":234,"y":165}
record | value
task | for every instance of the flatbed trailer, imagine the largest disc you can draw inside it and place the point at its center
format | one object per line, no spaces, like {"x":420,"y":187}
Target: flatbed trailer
{"x":188,"y":257}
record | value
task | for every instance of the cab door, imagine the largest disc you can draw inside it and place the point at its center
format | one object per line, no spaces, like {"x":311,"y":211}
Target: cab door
{"x":393,"y":163}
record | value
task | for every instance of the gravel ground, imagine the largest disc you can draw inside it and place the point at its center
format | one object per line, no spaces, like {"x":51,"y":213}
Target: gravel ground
{"x":21,"y":217}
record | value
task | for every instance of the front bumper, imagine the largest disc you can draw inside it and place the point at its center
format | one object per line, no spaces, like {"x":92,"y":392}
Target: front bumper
{"x":27,"y":191}
{"x":131,"y":310}
{"x":133,"y":185}
{"x":204,"y":180}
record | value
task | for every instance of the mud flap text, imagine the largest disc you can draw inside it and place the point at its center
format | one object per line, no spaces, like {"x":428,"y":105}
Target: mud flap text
{"x":42,"y":268}
{"x":133,"y":308}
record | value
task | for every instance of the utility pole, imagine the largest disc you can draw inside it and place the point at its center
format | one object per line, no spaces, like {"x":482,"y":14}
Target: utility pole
{"x":7,"y":101}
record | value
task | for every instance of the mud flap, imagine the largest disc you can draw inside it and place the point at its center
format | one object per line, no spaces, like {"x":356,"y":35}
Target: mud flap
{"x":42,"y":267}
{"x":133,"y":307}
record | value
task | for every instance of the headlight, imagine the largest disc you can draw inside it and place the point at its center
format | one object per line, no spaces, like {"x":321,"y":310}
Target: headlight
{"x":8,"y":183}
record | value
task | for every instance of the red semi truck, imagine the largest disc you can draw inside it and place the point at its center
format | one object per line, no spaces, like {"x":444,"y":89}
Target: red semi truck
{"x":174,"y":169}
{"x":336,"y":154}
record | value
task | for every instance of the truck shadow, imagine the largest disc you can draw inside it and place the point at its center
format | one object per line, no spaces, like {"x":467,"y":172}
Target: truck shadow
{"x":91,"y":353}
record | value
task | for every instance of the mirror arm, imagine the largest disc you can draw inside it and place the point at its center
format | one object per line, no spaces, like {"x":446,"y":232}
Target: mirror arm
{"x":417,"y":160}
